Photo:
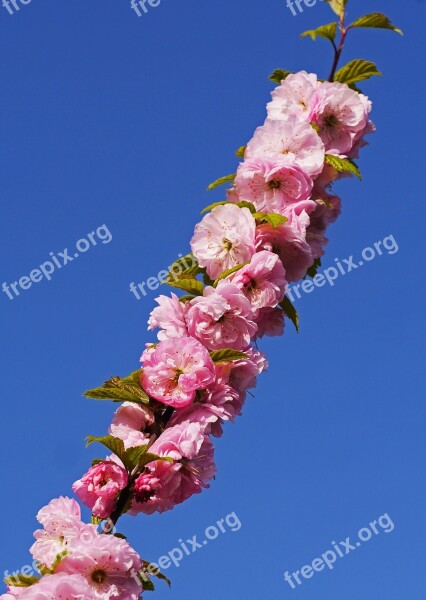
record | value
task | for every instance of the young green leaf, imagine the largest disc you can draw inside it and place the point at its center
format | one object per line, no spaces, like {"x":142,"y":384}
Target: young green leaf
{"x":212,"y":206}
{"x":96,"y":520}
{"x":228,"y":272}
{"x":376,"y":20}
{"x":241,"y":151}
{"x":338,"y":6}
{"x":21,"y":581}
{"x":153,"y":570}
{"x":273,"y":219}
{"x":227,"y":355}
{"x":186,"y":298}
{"x":221,"y":181}
{"x":246,"y":204}
{"x":148,"y":585}
{"x":356,"y":70}
{"x":109,"y":441}
{"x":279,"y":75}
{"x":343,"y":165}
{"x":192,"y":286}
{"x":290,"y":312}
{"x":327,"y":32}
{"x":120,"y":390}
{"x":186,"y":265}
{"x":240,"y":204}
{"x":313,"y":270}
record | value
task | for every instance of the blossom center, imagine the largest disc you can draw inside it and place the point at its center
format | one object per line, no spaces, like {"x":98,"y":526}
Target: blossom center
{"x":99,"y":576}
{"x":274,"y":184}
{"x":178,"y":373}
{"x":331,"y":121}
{"x":227,"y":244}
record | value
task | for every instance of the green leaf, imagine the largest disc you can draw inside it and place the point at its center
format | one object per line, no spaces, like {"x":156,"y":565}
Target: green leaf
{"x":192,"y":286}
{"x":150,"y":569}
{"x":227,"y":355}
{"x":240,"y":204}
{"x":109,"y":441}
{"x":186,"y":298}
{"x":186,"y":265}
{"x":133,"y":456}
{"x":343,"y":165}
{"x":212,"y":206}
{"x":313,"y":270}
{"x":273,"y":219}
{"x":246,"y":204}
{"x":149,"y":458}
{"x":327,"y":32}
{"x":121,"y":390}
{"x":20,"y":580}
{"x":241,"y":151}
{"x":279,"y":75}
{"x":376,"y":20}
{"x":356,"y":70}
{"x":221,"y":181}
{"x":96,"y":520}
{"x":148,"y":585}
{"x":228,"y":272}
{"x":338,"y":6}
{"x":290,"y":312}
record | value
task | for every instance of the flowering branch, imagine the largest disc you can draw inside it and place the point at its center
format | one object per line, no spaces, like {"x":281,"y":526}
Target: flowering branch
{"x":269,"y":231}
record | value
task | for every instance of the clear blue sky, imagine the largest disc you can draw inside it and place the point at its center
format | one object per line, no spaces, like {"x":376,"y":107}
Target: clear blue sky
{"x":112,"y":119}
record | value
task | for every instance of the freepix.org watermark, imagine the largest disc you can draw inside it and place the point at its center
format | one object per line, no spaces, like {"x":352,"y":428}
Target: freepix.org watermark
{"x":230,"y":523}
{"x":56,"y":262}
{"x":142,"y":7}
{"x":340,"y":550}
{"x":292,"y":4}
{"x":329,"y":276}
{"x":14,"y":6}
{"x":153,"y":283}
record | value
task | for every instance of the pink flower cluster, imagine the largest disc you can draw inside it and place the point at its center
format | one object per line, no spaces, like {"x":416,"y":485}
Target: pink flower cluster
{"x":269,"y":232}
{"x":247,"y":259}
{"x":77,"y":561}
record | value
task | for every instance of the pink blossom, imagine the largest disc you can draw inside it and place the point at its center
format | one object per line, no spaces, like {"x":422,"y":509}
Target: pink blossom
{"x":61,"y":520}
{"x":340,"y":115}
{"x":242,"y":375}
{"x":297,"y":95}
{"x":176,"y":369}
{"x":207,"y":415}
{"x":54,"y":587}
{"x":270,"y":321}
{"x":222,"y":318}
{"x":360,"y":141}
{"x":272,"y":183}
{"x":224,"y":239}
{"x":164,"y":485}
{"x":155,"y":490}
{"x":169,"y":316}
{"x":290,"y":243}
{"x":130,"y":424}
{"x":262,"y":281}
{"x":298,"y":140}
{"x":227,"y":401}
{"x":108,"y":564}
{"x":99,"y":487}
{"x":219,"y":403}
{"x":328,"y":209}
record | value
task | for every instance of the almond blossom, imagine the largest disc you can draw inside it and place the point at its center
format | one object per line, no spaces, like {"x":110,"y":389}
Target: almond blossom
{"x":224,"y":239}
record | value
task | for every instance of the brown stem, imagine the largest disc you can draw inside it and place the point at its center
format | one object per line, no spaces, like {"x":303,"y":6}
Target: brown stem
{"x":338,"y":51}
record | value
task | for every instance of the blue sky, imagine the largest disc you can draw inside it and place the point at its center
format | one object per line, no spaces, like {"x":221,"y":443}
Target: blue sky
{"x":117,"y":120}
